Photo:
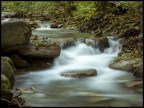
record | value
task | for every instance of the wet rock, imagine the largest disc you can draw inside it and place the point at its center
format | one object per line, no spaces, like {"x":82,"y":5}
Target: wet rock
{"x":54,"y":25}
{"x":80,"y":73}
{"x":9,"y":60}
{"x":7,"y":70}
{"x":6,"y":94}
{"x":125,"y":62}
{"x":41,"y":51}
{"x":5,"y":84}
{"x":138,"y":72}
{"x":15,"y":35}
{"x":68,"y":43}
{"x":18,"y":62}
{"x":103,"y":43}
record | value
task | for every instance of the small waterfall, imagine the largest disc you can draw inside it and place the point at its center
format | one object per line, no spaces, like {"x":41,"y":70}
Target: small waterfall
{"x":114,"y":45}
{"x":82,"y":56}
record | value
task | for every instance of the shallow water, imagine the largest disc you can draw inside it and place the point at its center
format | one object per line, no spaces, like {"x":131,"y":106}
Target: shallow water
{"x":105,"y":89}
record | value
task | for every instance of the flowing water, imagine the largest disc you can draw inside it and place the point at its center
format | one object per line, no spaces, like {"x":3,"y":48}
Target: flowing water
{"x":107,"y":88}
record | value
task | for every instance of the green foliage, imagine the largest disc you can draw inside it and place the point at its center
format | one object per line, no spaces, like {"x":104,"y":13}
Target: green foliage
{"x":76,"y":9}
{"x":85,"y":9}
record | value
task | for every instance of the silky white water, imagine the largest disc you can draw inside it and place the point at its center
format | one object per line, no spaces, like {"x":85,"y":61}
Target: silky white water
{"x":56,"y":90}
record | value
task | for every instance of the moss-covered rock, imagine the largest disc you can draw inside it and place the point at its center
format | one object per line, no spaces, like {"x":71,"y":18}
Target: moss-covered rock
{"x":5,"y":84}
{"x":6,"y":92}
{"x":9,"y":60}
{"x":7,"y":70}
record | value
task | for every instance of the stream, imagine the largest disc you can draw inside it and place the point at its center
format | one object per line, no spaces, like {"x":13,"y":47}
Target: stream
{"x":107,"y":88}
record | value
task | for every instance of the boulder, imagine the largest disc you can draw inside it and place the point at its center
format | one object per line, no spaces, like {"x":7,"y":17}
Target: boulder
{"x":125,"y":62}
{"x":18,"y":62}
{"x":7,"y":59}
{"x":5,"y":84}
{"x":7,"y":70}
{"x":103,"y":43}
{"x":15,"y":35}
{"x":40,"y":51}
{"x":54,"y":25}
{"x":68,"y":43}
{"x":80,"y":73}
{"x":6,"y":92}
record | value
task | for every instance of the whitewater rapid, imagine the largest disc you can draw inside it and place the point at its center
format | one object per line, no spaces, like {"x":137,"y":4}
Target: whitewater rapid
{"x":81,"y":57}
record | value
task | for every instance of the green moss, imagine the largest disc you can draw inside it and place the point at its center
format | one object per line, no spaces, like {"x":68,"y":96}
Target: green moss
{"x":5,"y":84}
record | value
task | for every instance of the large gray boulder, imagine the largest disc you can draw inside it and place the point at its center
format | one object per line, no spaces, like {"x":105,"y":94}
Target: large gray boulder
{"x":126,"y":62}
{"x":14,"y":35}
{"x":40,"y":51}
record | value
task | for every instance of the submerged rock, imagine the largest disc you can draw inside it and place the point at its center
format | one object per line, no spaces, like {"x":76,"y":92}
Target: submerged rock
{"x":87,"y":94}
{"x":80,"y":73}
{"x":15,"y":35}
